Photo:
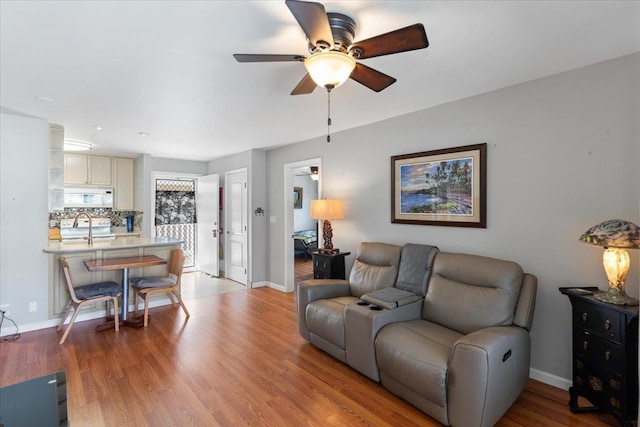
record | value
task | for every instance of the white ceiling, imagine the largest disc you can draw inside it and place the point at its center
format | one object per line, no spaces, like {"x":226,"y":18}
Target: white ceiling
{"x":166,"y":67}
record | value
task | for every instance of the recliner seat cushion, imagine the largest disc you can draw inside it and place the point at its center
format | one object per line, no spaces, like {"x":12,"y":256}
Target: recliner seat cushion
{"x":416,"y":354}
{"x":325,"y":318}
{"x":469,"y":292}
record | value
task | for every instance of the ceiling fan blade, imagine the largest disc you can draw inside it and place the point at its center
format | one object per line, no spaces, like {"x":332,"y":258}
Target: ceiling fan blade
{"x":306,"y":86}
{"x":402,"y":40}
{"x":373,"y":79}
{"x":312,"y":17}
{"x":248,"y":57}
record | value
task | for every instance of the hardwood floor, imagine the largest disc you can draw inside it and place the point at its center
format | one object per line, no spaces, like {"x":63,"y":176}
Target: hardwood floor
{"x":303,"y":270}
{"x":238,"y":360}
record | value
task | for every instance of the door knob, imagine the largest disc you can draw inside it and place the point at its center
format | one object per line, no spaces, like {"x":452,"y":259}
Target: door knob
{"x":215,"y":233}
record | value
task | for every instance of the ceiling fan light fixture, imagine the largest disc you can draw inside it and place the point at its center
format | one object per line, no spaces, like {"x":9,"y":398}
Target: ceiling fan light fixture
{"x":329,"y":68}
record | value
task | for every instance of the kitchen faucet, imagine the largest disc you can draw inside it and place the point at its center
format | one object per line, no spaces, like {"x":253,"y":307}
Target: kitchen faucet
{"x":75,"y":225}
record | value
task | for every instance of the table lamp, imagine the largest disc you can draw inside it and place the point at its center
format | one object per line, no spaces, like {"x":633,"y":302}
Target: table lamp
{"x":326,"y":210}
{"x":616,"y":236}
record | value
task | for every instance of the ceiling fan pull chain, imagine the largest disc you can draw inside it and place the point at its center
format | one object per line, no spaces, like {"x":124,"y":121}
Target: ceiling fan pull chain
{"x":328,"y":113}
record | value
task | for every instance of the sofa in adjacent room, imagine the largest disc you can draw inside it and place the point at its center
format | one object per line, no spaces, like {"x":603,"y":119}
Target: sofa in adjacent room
{"x":448,"y":332}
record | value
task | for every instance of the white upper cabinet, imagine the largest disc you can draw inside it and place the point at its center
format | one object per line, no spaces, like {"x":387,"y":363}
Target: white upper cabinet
{"x":123,"y":183}
{"x":83,"y":169}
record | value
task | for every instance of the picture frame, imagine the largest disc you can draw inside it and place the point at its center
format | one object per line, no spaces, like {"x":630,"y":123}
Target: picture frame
{"x":445,"y":187}
{"x":297,"y":197}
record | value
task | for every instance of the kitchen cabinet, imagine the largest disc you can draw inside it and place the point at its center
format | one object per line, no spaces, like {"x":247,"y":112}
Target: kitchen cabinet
{"x":84,"y":169}
{"x":122,"y":176}
{"x":56,"y":168}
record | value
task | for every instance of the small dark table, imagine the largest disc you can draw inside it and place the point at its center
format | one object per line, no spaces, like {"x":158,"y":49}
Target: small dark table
{"x":605,"y":356}
{"x":328,"y":266}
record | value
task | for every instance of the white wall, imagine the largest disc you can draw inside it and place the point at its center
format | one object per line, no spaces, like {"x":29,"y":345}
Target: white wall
{"x":563,"y":155}
{"x":301,"y":220}
{"x":24,"y":166}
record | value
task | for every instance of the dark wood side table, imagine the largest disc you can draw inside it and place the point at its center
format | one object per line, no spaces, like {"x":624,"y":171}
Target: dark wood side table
{"x":605,"y":356}
{"x":328,"y":266}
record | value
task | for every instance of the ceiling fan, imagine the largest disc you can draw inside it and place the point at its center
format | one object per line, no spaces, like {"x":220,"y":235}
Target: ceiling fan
{"x":333,"y":55}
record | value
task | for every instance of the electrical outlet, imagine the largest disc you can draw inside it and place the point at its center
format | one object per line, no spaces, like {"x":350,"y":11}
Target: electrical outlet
{"x":5,"y":308}
{"x":33,"y":306}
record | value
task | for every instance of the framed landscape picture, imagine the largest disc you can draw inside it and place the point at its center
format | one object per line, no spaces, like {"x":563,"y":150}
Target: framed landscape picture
{"x":297,"y":197}
{"x":441,"y":187}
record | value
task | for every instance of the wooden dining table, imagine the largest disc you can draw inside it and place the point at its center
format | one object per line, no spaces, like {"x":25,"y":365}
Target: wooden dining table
{"x":125,"y":264}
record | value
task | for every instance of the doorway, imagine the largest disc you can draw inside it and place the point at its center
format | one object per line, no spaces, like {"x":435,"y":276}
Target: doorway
{"x":175,"y":212}
{"x":297,"y":224}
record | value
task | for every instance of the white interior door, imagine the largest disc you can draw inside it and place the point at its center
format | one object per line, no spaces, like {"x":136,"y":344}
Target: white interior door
{"x":207,"y":205}
{"x":236,"y":225}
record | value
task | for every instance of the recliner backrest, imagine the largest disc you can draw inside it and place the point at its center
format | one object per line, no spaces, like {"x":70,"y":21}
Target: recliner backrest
{"x":416,"y":264}
{"x":470,"y":292}
{"x":374,"y":267}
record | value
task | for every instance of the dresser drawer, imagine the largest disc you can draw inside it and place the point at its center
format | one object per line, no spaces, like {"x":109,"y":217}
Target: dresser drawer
{"x":603,"y":353}
{"x":603,"y":323}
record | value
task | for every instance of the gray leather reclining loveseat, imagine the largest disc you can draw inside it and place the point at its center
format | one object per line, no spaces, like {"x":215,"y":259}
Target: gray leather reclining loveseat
{"x":447,"y":332}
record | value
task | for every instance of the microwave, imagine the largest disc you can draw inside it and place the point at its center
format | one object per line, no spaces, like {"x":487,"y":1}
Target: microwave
{"x":84,"y":197}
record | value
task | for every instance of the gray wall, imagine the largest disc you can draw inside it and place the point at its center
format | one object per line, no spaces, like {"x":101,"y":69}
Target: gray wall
{"x":24,"y":166}
{"x":563,"y":155}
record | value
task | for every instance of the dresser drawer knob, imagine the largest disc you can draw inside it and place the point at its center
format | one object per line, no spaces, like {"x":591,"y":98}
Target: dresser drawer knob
{"x":607,"y":325}
{"x":595,"y":383}
{"x":607,"y":355}
{"x":585,"y":345}
{"x":585,"y":316}
{"x":615,"y":384}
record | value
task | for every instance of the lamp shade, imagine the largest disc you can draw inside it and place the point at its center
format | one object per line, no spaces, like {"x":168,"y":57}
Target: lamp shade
{"x":329,"y":68}
{"x":614,"y":233}
{"x":326,"y":209}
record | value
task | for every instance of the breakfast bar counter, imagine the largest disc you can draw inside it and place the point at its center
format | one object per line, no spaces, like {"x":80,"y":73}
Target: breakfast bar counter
{"x":107,"y":245}
{"x":78,"y":254}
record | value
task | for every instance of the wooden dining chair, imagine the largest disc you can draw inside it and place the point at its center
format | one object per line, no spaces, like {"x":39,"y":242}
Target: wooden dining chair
{"x":88,"y":294}
{"x":144,"y":287}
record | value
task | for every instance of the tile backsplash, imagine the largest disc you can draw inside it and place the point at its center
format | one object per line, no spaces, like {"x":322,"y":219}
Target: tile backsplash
{"x":118,"y":218}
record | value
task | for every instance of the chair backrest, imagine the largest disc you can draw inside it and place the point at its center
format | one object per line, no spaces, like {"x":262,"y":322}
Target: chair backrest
{"x":176,"y":264}
{"x":374,"y":267}
{"x":416,"y":263}
{"x":66,"y":269}
{"x":469,"y":292}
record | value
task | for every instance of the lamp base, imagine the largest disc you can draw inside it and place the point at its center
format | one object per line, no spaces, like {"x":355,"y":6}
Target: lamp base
{"x":615,"y":296}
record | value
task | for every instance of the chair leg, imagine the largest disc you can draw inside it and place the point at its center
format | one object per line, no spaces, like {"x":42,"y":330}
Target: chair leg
{"x":146,"y":310}
{"x":64,"y":316}
{"x":116,"y":320}
{"x":184,"y":307}
{"x":173,"y":303}
{"x":68,"y":329}
{"x":136,"y":302}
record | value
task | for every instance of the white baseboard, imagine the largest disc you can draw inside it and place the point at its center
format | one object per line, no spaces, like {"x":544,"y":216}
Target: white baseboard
{"x":83,"y":316}
{"x":550,"y":379}
{"x":259,"y":284}
{"x":275,"y":286}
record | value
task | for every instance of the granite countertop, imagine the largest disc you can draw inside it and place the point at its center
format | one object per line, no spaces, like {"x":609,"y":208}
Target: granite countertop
{"x":106,"y":245}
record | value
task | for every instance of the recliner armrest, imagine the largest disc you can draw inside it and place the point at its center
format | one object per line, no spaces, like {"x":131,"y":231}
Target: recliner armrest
{"x":362,"y":325}
{"x":488,"y":369}
{"x":315,"y":289}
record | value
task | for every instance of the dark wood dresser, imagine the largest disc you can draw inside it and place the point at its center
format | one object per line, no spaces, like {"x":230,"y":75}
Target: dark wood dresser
{"x":605,"y":356}
{"x":328,"y":266}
